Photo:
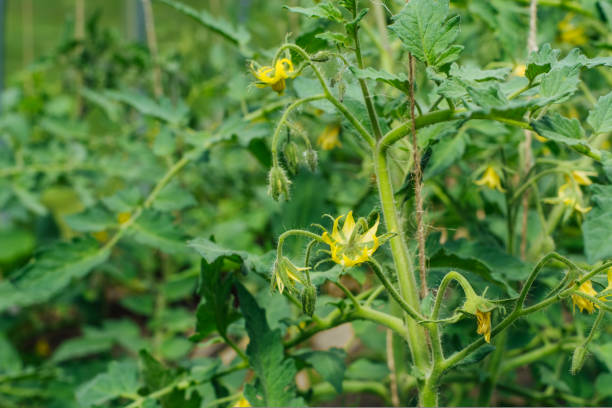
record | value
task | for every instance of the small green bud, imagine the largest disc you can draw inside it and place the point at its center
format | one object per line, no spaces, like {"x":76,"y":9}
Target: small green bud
{"x":310,"y":156}
{"x":309,"y":299}
{"x":578,"y":358}
{"x":278,"y":183}
{"x":291,"y":156}
{"x":321,"y":56}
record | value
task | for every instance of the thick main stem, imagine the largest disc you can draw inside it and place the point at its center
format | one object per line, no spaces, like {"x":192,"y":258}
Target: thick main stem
{"x":403,"y":264}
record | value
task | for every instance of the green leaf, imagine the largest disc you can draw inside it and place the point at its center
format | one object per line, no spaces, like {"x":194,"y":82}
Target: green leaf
{"x":477,"y":355}
{"x":445,"y":154}
{"x":423,"y":27}
{"x":236,"y":35}
{"x":10,"y":363}
{"x":91,"y":220}
{"x":600,"y":118}
{"x":364,"y":369}
{"x":81,"y":347}
{"x":121,"y":379}
{"x":51,"y":271}
{"x":489,"y":262}
{"x":488,"y":98}
{"x":15,"y":245}
{"x":399,"y":81}
{"x":540,"y":62}
{"x":340,"y":39}
{"x":156,"y":376}
{"x":174,"y":198}
{"x":566,"y":131}
{"x":157,"y":230}
{"x":603,"y":384}
{"x":29,"y":200}
{"x":597,"y":226}
{"x":470,"y":72}
{"x":324,"y":10}
{"x":560,"y":83}
{"x":275,"y":382}
{"x":329,"y":363}
{"x":216,"y":312}
{"x":109,"y":106}
{"x":98,"y":340}
{"x":149,"y":107}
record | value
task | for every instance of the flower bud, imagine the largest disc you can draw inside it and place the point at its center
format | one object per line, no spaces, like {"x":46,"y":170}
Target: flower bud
{"x":310,"y":156}
{"x":278,"y":183}
{"x":309,"y":299}
{"x":291,"y":156}
{"x":578,"y":358}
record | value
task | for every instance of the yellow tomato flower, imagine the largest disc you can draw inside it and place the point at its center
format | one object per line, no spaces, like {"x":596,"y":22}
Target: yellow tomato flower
{"x":540,"y":139}
{"x":519,"y":70}
{"x":582,"y":303}
{"x":582,"y":177}
{"x":569,"y":33}
{"x":490,"y":179}
{"x":570,"y":195}
{"x":274,"y":77}
{"x":484,"y":324}
{"x":242,"y":402}
{"x":348,"y":247}
{"x":328,"y":139}
{"x":123,"y":217}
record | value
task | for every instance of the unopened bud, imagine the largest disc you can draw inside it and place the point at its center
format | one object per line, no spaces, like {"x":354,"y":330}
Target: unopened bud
{"x":291,"y":156}
{"x":321,"y":56}
{"x":309,"y":299}
{"x":278,"y":183}
{"x":578,"y":358}
{"x":310,"y":156}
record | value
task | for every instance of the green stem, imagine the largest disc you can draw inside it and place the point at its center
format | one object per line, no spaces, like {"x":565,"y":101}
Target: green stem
{"x":362,"y":83}
{"x":403,"y":264}
{"x":428,"y":393}
{"x":412,"y":312}
{"x":288,"y":233}
{"x":534,"y":355}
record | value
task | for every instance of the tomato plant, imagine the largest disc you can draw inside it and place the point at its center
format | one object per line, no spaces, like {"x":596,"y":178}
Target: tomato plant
{"x":320,"y":202}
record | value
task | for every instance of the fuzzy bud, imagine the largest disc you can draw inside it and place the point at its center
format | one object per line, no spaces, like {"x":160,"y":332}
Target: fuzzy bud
{"x":578,"y":359}
{"x":310,"y":156}
{"x":278,"y":183}
{"x":309,"y":299}
{"x":290,"y":152}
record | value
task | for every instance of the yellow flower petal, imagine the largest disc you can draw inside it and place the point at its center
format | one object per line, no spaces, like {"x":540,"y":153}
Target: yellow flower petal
{"x":582,"y":303}
{"x":328,"y":139}
{"x":490,"y":179}
{"x":349,"y":226}
{"x":582,"y":177}
{"x":484,"y":324}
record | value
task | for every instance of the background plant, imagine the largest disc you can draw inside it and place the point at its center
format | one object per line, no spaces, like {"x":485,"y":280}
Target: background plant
{"x":116,"y":155}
